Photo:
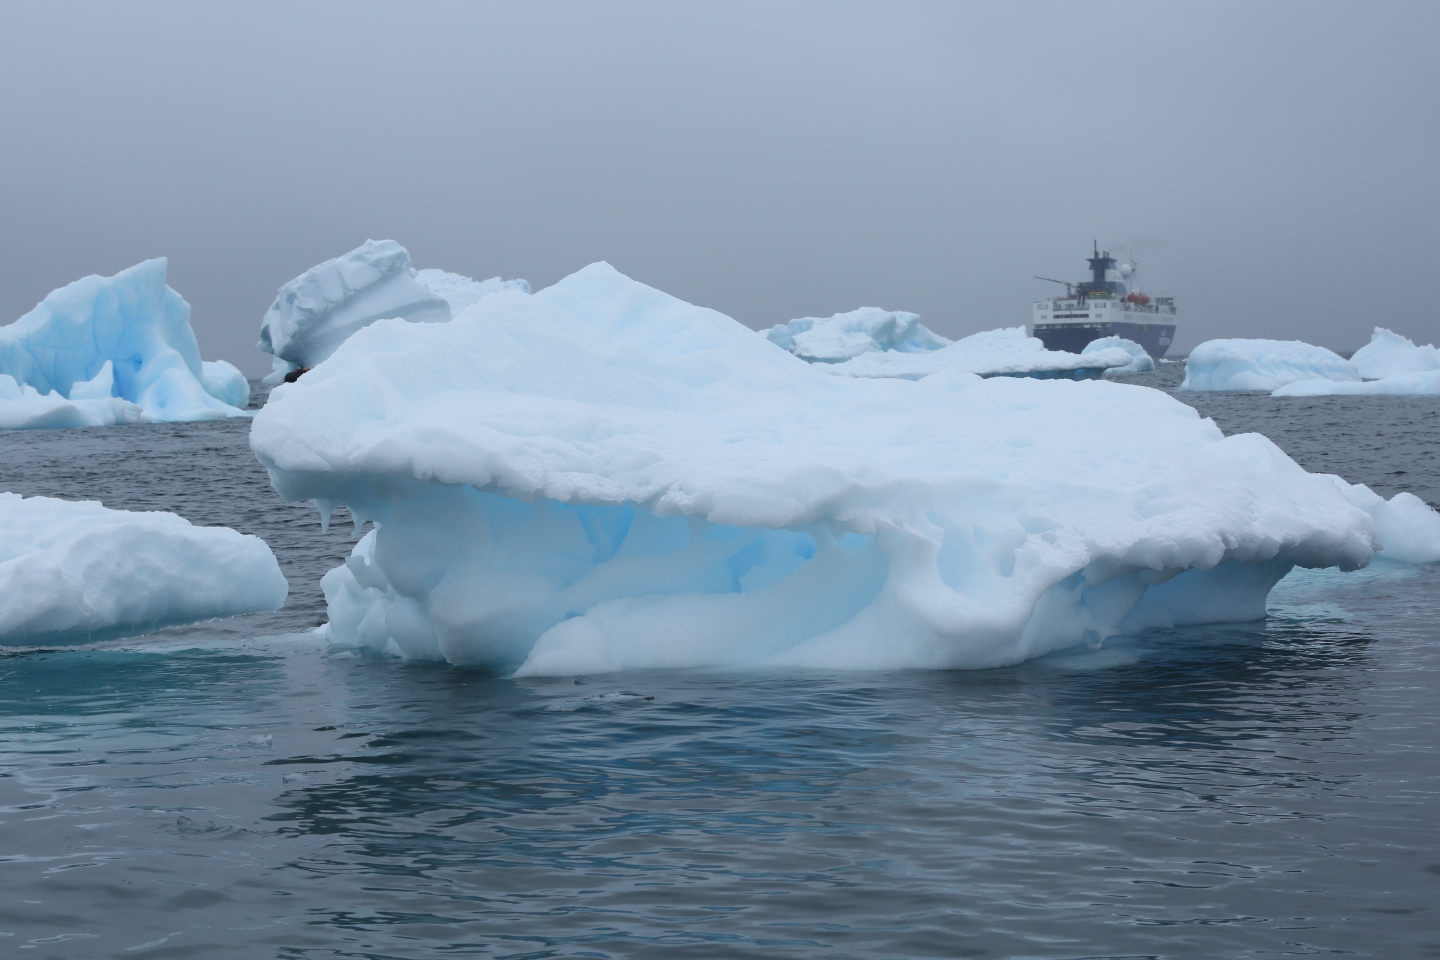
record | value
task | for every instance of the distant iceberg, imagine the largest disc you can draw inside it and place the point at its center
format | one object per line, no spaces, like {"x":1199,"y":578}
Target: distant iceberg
{"x":1388,"y":354}
{"x":1392,"y":365}
{"x":600,"y":477}
{"x":72,"y":572}
{"x":107,"y":350}
{"x":314,"y":313}
{"x":1424,"y":383}
{"x":1246,"y":365}
{"x":883,"y":344}
{"x":1141,"y":361}
{"x":846,"y":336}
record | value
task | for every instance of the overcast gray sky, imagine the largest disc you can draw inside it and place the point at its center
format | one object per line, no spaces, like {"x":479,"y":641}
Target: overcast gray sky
{"x":1274,"y":164}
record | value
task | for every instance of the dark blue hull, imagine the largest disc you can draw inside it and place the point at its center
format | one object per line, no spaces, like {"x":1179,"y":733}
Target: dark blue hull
{"x":1073,"y":337}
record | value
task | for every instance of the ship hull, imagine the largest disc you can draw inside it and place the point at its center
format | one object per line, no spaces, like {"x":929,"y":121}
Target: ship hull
{"x":1074,"y":337}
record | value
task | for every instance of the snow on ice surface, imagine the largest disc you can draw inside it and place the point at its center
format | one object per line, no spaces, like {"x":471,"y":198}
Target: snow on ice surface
{"x":1388,"y":354}
{"x":1238,"y":365}
{"x":1141,"y":361}
{"x":314,"y":313}
{"x":106,"y":350}
{"x":74,"y":572}
{"x":600,"y":477}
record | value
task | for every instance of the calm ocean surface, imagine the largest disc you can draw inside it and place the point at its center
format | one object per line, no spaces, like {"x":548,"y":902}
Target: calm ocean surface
{"x":233,"y":789}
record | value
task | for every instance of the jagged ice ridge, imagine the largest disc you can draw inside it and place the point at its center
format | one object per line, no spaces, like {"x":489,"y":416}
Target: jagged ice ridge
{"x":314,"y":313}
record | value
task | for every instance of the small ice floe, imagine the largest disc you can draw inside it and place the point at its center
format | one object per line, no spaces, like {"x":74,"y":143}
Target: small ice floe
{"x":74,"y":572}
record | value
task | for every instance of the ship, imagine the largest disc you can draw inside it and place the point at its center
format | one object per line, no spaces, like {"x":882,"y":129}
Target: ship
{"x":1104,"y":306}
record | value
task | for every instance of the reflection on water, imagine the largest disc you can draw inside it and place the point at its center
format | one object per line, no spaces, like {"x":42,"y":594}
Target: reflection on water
{"x":1255,"y":790}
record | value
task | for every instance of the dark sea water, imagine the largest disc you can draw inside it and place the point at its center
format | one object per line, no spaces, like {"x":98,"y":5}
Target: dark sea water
{"x":233,"y":789}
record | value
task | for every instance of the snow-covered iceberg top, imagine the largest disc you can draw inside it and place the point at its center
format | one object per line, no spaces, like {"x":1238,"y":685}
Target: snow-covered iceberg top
{"x":1140,"y":362}
{"x":106,"y":350}
{"x":1240,"y":365}
{"x":314,"y":313}
{"x":848,"y":335}
{"x":1007,"y":351}
{"x":600,"y":476}
{"x":875,"y":343}
{"x":1388,"y":354}
{"x":74,"y":572}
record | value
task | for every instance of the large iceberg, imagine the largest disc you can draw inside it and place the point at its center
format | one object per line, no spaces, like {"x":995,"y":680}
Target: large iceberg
{"x":1140,"y":362}
{"x":71,"y":572}
{"x":600,"y":476}
{"x":1241,"y":365}
{"x":106,"y":350}
{"x":314,"y":313}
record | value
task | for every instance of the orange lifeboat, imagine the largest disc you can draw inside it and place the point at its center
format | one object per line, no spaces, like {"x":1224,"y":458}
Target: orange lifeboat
{"x":1141,"y":299}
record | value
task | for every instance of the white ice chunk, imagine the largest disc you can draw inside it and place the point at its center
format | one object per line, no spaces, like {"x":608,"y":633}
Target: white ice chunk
{"x":73,"y":572}
{"x":1003,"y":352}
{"x":22,"y":407}
{"x":1424,"y":383}
{"x":111,"y":343}
{"x":315,"y":312}
{"x":875,"y":343}
{"x":601,"y":476}
{"x":1409,"y":530}
{"x":1141,"y":361}
{"x":1389,"y":353}
{"x":1238,"y":365}
{"x":224,"y":381}
{"x":847,"y":335}
{"x":99,"y":387}
{"x":460,"y":291}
